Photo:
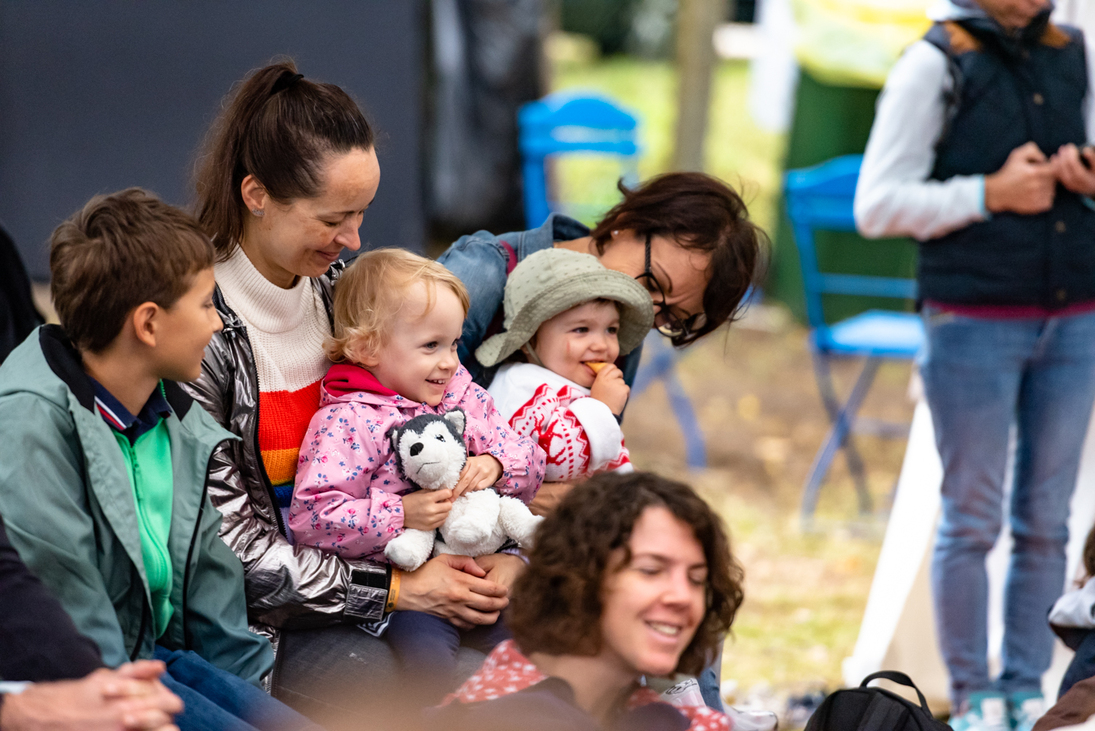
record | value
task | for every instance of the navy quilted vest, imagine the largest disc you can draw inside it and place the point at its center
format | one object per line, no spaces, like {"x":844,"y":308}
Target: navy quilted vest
{"x":1013,"y":89}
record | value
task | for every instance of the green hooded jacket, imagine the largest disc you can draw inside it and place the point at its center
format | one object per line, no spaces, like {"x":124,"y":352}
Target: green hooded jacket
{"x":68,"y":506}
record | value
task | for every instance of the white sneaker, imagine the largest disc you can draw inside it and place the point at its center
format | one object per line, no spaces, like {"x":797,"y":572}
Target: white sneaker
{"x":986,"y":711}
{"x":752,"y":720}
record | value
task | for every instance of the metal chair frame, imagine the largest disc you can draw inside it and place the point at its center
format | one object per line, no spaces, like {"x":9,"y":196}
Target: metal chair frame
{"x":821,"y":199}
{"x":569,"y":122}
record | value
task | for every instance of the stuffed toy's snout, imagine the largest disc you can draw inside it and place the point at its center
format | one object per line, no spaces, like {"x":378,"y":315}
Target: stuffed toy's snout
{"x":430,"y":449}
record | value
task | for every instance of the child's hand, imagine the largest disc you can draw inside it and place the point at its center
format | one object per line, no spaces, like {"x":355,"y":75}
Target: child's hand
{"x":609,"y":388}
{"x":479,"y":473}
{"x":426,"y":509}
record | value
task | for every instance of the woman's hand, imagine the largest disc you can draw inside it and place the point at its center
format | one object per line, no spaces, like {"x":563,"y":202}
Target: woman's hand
{"x":548,"y":497}
{"x":479,"y":473}
{"x":426,"y":509}
{"x":130,"y":698}
{"x":609,"y":388}
{"x":1026,"y":183}
{"x":453,"y":588}
{"x":1069,"y":167}
{"x":146,"y":702}
{"x":501,"y":568}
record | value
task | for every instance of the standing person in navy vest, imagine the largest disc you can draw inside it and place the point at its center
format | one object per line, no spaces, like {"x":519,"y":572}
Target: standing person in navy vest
{"x":976,"y":152}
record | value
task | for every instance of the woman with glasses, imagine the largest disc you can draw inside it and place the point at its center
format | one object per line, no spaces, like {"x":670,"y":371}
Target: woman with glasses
{"x":686,"y":237}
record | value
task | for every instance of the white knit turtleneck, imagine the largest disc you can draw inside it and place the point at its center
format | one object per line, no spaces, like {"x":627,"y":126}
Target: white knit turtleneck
{"x":286,"y":328}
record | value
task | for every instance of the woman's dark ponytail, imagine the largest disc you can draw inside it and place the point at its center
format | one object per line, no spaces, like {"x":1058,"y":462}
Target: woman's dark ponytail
{"x":277,"y":126}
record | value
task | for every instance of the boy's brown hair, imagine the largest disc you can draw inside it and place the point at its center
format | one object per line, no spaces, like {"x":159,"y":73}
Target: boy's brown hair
{"x":371,"y":292}
{"x":1089,"y":555}
{"x":117,"y":252}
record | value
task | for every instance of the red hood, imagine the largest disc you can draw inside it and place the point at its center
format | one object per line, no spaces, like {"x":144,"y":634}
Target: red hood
{"x":344,"y":378}
{"x":347,"y":382}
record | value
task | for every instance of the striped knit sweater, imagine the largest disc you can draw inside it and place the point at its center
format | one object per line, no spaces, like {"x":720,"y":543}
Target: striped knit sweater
{"x":286,"y":328}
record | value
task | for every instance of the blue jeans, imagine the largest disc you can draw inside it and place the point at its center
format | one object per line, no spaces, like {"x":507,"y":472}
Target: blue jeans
{"x":710,"y":684}
{"x":338,"y":672}
{"x":427,"y":645}
{"x":216,"y":699}
{"x":1082,"y":666}
{"x":981,"y":377}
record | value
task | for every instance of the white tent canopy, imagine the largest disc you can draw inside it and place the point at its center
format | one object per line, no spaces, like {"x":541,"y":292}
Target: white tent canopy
{"x":898,"y":630}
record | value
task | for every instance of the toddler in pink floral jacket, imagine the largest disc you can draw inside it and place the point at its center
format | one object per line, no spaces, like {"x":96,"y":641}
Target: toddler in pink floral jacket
{"x":397,"y":323}
{"x":398,"y":318}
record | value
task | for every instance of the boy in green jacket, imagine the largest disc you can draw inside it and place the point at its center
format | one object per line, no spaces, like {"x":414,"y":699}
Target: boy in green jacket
{"x":104,"y":459}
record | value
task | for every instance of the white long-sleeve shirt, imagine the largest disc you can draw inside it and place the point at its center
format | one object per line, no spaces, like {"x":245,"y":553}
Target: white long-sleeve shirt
{"x":895,"y":196}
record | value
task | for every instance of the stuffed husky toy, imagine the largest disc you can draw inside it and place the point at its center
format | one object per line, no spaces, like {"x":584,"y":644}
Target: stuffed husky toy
{"x":430,"y":452}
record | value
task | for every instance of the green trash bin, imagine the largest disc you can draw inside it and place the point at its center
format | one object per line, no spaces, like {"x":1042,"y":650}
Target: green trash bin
{"x":845,"y":49}
{"x":831,"y":121}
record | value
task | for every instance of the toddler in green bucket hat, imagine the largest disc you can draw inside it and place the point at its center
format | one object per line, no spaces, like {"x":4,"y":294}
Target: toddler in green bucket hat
{"x":570,"y":318}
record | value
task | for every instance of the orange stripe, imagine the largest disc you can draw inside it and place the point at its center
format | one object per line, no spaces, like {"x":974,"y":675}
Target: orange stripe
{"x":283,"y":422}
{"x":281,"y":465}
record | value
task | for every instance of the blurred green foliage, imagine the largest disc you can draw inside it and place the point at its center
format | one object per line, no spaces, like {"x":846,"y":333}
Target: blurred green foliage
{"x":737,"y":150}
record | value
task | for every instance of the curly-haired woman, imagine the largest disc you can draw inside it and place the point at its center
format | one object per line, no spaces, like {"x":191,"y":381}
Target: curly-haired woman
{"x":631,"y":576}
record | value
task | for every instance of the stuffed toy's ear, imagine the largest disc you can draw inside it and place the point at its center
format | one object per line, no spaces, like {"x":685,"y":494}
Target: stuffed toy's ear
{"x":457,"y":419}
{"x":393,"y":434}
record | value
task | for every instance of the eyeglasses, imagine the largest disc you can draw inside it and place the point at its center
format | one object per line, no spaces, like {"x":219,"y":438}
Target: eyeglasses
{"x":670,"y":326}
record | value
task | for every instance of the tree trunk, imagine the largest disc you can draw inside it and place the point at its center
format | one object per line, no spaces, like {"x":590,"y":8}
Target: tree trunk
{"x":696,"y":22}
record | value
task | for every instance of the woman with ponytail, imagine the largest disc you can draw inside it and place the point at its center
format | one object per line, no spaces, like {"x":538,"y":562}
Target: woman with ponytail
{"x":285,"y":178}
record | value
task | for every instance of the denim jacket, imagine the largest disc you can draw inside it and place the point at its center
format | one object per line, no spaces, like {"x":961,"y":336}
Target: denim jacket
{"x":482,"y":263}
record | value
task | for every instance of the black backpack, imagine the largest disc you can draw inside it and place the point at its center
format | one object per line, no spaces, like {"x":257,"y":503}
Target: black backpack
{"x":874,"y":709}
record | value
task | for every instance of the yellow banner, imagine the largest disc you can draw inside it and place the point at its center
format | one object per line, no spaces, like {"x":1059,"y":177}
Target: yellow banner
{"x":856,"y":42}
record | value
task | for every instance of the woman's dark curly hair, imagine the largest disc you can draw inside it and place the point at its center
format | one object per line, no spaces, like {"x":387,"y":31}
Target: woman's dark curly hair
{"x":557,"y":602}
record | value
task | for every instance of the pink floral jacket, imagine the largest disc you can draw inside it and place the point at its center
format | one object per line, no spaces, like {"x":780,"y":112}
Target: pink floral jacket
{"x":347,"y":494}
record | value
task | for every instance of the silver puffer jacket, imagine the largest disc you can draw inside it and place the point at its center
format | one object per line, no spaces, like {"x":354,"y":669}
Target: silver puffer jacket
{"x":287,"y":586}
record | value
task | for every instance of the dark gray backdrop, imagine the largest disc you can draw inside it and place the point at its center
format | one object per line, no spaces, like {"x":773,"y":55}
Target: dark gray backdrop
{"x":100,"y":96}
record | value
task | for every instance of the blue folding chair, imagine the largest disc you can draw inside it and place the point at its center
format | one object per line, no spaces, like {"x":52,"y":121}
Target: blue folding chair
{"x":576,"y":122}
{"x":660,"y":362}
{"x":569,"y":122}
{"x":820,"y":199}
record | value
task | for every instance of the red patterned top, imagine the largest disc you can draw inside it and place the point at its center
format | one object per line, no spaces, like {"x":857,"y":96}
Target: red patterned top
{"x":507,"y":671}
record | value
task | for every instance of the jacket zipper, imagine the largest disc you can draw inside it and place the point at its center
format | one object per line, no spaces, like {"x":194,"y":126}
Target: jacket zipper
{"x":258,"y":451}
{"x":145,"y":611}
{"x":139,"y":504}
{"x":194,"y":541}
{"x":242,"y":330}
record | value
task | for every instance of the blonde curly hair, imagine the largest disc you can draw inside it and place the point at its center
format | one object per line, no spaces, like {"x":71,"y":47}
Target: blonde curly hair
{"x":371,"y":292}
